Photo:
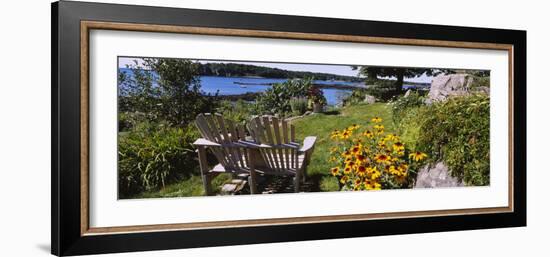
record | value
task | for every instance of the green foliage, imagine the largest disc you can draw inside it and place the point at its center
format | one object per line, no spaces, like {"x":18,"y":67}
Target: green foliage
{"x":276,"y":100}
{"x":180,"y":96}
{"x":374,"y":73}
{"x":403,"y":104}
{"x":239,"y":111}
{"x":298,"y":105}
{"x":457,"y":132}
{"x":152,"y":155}
{"x":479,"y":81}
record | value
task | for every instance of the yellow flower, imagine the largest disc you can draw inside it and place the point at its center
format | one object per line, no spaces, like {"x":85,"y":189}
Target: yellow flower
{"x":392,"y":137}
{"x":403,"y":167}
{"x":375,"y":175}
{"x":344,"y":179}
{"x":371,"y":170}
{"x":333,"y":149}
{"x":418,"y":156}
{"x":335,"y":171}
{"x":376,"y":119}
{"x":347,"y":170}
{"x":346,"y":153}
{"x":372,"y":185}
{"x":357,"y":183}
{"x":353,"y":127}
{"x":368,"y":134}
{"x":348,"y":159}
{"x":392,"y":170}
{"x":335,"y":134}
{"x":346,"y":134}
{"x":332,"y":159}
{"x":360,"y":158}
{"x":361,"y":170}
{"x":382,"y":158}
{"x":398,"y":147}
{"x":356,"y":149}
{"x":379,"y":127}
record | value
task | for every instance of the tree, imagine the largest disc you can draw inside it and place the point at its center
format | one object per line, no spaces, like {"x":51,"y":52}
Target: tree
{"x":373,"y":73}
{"x":180,"y":95}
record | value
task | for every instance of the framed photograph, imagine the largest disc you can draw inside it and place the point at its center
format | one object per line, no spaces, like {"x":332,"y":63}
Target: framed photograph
{"x":178,"y":128}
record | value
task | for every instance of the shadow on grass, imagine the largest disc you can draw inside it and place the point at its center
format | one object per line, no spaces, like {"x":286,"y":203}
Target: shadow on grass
{"x":332,"y":112}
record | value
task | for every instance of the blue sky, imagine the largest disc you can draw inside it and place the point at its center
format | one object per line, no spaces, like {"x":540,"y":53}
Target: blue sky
{"x":345,"y":70}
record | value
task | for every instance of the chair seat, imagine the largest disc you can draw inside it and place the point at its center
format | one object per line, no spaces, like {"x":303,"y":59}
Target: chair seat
{"x":219,"y":168}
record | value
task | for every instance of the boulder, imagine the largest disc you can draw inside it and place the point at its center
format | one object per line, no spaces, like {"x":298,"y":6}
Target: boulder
{"x":437,"y":175}
{"x":444,"y":86}
{"x":369,"y":99}
{"x":407,"y":93}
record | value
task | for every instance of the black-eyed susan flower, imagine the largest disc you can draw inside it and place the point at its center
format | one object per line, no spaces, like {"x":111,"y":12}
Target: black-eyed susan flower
{"x":382,"y":158}
{"x":398,"y":147}
{"x":346,"y":134}
{"x":368,"y":134}
{"x":353,"y":127}
{"x":356,"y":149}
{"x":376,"y":119}
{"x":346,"y":153}
{"x":360,"y":158}
{"x":335,"y":134}
{"x":335,"y":171}
{"x":418,"y":156}
{"x":375,"y":175}
{"x":379,"y":127}
{"x":344,"y":179}
{"x":361,"y":170}
{"x":348,"y":170}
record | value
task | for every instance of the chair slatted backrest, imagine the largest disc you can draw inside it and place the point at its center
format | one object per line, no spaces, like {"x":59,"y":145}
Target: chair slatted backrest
{"x":280,"y":135}
{"x":215,"y":128}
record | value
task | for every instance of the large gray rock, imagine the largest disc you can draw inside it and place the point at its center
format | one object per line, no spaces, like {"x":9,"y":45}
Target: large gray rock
{"x":369,"y":99}
{"x":445,"y":86}
{"x":436,"y":176}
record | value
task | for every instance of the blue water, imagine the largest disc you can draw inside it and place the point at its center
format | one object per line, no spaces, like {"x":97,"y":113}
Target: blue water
{"x":226,"y":86}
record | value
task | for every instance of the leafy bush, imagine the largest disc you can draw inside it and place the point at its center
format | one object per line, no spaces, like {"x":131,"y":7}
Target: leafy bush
{"x":276,"y":100}
{"x":298,"y":105}
{"x":457,"y":132}
{"x":152,"y":155}
{"x":371,"y":159}
{"x":383,"y":90}
{"x":239,"y":111}
{"x":403,"y":104}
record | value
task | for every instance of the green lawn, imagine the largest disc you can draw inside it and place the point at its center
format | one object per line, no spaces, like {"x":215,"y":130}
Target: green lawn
{"x":189,"y":187}
{"x":321,"y":125}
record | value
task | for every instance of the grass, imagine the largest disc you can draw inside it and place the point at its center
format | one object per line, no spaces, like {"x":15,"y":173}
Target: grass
{"x":321,"y":125}
{"x":189,"y":187}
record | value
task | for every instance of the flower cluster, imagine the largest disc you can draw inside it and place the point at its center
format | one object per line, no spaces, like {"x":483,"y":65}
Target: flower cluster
{"x":370,"y":159}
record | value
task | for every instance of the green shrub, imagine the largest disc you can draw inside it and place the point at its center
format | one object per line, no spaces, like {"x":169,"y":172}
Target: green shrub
{"x":152,"y":155}
{"x":298,"y":105}
{"x":238,"y":111}
{"x":403,"y":104}
{"x":276,"y":100}
{"x":457,"y":132}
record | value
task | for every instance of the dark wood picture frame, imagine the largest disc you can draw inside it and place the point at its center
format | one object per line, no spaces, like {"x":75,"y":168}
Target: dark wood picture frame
{"x":71,"y":23}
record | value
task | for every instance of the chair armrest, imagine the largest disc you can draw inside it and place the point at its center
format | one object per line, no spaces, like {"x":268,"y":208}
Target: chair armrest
{"x":309,"y":143}
{"x":252,"y":144}
{"x":204,"y":142}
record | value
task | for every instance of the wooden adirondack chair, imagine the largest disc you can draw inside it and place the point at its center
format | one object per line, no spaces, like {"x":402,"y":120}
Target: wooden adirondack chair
{"x":273,"y":149}
{"x":223,"y":138}
{"x":276,"y":143}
